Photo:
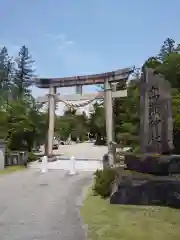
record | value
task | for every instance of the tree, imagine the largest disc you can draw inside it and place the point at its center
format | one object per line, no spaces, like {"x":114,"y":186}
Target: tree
{"x":21,"y":122}
{"x":170,"y":68}
{"x":167,"y":62}
{"x":24,"y":120}
{"x":26,"y":125}
{"x":152,"y":62}
{"x":24,"y":74}
{"x":72,"y":124}
{"x":63,"y":127}
{"x":3,"y":124}
{"x":169,"y":46}
{"x":6,"y":71}
{"x":126,"y":116}
{"x":80,"y":127}
{"x":97,"y":125}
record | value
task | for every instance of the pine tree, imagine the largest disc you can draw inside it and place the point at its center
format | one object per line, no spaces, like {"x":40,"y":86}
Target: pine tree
{"x":169,"y":46}
{"x":6,"y":68}
{"x":23,"y":74}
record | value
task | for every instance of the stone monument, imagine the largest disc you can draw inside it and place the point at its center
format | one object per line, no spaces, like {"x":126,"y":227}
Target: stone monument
{"x":157,"y":186}
{"x":156,"y":124}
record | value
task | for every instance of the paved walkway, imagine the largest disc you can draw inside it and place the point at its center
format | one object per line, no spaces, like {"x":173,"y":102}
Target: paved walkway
{"x":86,"y":150}
{"x":80,"y":165}
{"x":36,"y":206}
{"x":88,"y":157}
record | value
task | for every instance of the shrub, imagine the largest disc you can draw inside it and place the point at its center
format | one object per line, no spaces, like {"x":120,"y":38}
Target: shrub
{"x":103,"y":182}
{"x":136,"y":149}
{"x":32,"y":157}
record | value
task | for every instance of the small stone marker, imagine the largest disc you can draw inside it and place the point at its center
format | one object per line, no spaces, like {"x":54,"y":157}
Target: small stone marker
{"x":44,"y":166}
{"x":72,"y":169}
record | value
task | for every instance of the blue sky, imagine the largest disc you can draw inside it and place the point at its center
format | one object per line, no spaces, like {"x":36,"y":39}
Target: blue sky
{"x":76,"y":37}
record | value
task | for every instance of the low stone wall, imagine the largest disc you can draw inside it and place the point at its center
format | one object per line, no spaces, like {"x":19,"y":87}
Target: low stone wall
{"x":16,"y":158}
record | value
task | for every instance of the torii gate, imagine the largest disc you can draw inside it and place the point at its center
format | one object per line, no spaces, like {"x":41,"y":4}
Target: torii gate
{"x":107,"y":78}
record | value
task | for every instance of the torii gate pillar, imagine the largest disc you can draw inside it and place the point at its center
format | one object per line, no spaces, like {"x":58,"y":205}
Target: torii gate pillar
{"x":108,"y":106}
{"x":51,"y":112}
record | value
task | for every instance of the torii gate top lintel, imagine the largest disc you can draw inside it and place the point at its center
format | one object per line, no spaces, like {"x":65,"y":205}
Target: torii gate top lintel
{"x":114,"y":76}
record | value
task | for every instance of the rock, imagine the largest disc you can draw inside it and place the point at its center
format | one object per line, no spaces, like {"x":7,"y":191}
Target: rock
{"x":52,"y":158}
{"x":153,"y":164}
{"x":174,"y":165}
{"x":161,"y":191}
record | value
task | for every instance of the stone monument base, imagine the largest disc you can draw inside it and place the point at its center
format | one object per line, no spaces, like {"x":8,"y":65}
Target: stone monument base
{"x":160,"y":191}
{"x":153,"y":164}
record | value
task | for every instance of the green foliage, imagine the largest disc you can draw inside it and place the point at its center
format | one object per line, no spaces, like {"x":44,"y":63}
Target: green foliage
{"x":72,"y":124}
{"x":136,"y":149}
{"x":126,"y":110}
{"x":97,"y":125}
{"x":152,"y":62}
{"x":167,"y":62}
{"x":23,"y":125}
{"x":21,"y":122}
{"x":169,"y":46}
{"x":32,"y":157}
{"x":103,"y":182}
{"x":24,"y":73}
{"x":126,"y":116}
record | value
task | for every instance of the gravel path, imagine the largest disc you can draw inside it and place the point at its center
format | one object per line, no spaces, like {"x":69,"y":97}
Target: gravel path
{"x":36,"y":206}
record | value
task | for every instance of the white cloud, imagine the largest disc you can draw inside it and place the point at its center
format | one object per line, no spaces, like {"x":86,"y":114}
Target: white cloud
{"x":61,"y":40}
{"x":73,"y":56}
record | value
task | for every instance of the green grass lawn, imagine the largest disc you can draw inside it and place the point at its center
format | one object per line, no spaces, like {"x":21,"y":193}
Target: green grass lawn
{"x":120,"y":222}
{"x":11,"y":169}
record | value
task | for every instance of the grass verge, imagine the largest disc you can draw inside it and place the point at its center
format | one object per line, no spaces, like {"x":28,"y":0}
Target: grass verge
{"x":11,"y":169}
{"x":123,"y":222}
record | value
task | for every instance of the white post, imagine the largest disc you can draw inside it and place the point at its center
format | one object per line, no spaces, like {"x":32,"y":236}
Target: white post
{"x":44,"y":165}
{"x":72,"y":170}
{"x":78,"y":89}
